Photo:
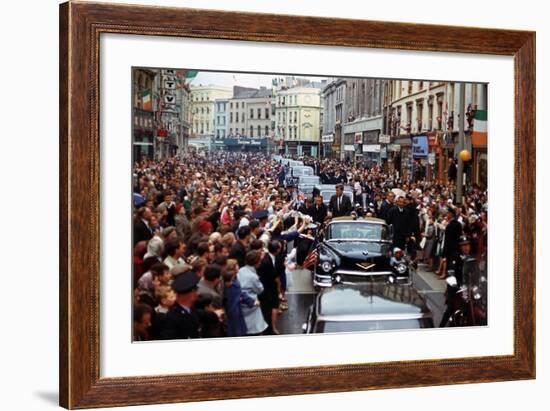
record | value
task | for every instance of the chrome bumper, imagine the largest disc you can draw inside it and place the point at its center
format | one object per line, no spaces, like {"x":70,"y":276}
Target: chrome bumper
{"x":320,"y":280}
{"x":363,"y":273}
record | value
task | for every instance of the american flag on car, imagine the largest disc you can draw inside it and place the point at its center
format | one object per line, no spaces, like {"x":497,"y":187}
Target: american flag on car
{"x":311,"y":259}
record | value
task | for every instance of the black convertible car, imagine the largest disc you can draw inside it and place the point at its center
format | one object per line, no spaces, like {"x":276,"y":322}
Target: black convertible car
{"x":356,"y":249}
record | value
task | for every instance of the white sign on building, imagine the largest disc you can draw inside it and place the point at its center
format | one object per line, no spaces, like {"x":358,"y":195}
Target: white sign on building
{"x":384,"y":139}
{"x":169,"y":85}
{"x":169,"y":99}
{"x":371,"y":148}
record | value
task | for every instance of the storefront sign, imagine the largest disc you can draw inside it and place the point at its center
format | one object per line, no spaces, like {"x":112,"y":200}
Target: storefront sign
{"x":327,"y":138}
{"x":371,"y":148}
{"x":420,"y":147}
{"x":358,"y":138}
{"x":384,"y":139}
{"x":431,"y":158}
{"x":394,"y":147}
{"x":349,"y":147}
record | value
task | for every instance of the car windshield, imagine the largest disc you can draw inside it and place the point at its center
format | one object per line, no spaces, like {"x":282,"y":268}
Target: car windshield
{"x":350,"y":326}
{"x":357,"y":230}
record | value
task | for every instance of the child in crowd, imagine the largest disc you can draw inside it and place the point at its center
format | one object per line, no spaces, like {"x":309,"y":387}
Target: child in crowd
{"x":166,"y":298}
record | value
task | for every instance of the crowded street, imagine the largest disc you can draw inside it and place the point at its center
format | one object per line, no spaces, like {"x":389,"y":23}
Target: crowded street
{"x":225,"y":243}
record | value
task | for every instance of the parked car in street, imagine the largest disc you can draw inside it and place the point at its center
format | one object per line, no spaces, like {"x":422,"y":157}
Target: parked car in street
{"x":355,"y":249}
{"x":369,"y":306}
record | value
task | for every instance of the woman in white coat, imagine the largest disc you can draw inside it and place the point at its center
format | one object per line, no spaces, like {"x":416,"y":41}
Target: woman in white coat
{"x":251,"y":285}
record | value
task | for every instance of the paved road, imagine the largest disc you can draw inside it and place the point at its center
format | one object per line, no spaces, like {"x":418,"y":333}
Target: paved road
{"x":301,"y":294}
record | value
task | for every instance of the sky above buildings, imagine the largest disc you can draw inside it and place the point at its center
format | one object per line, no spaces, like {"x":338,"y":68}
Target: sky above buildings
{"x":239,"y":79}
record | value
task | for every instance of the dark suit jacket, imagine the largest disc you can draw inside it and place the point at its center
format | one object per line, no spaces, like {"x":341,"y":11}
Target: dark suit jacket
{"x":401,"y":222}
{"x":319,"y":213}
{"x":453,"y":231}
{"x":345,"y":207}
{"x":238,"y":252}
{"x":384,"y":209}
{"x":268,"y":275}
{"x":141,"y":232}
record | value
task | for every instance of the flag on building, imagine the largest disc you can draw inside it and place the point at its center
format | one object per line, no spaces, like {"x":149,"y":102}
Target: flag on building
{"x":479,"y":134}
{"x":147,"y":101}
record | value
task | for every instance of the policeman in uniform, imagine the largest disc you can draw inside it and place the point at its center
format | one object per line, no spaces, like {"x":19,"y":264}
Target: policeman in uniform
{"x":465,"y":275}
{"x":182,"y":320}
{"x":464,"y":263}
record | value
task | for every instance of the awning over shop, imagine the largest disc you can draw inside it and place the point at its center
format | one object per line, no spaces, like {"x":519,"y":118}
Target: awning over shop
{"x":479,"y":139}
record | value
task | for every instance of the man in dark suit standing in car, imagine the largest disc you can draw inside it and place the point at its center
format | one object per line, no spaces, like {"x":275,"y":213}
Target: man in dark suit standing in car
{"x":319,"y":210}
{"x":340,"y":204}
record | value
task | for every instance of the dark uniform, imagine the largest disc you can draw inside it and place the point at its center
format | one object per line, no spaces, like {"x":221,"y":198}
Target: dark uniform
{"x":182,"y":322}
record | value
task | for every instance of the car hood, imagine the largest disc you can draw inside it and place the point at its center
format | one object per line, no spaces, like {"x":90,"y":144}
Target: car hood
{"x":358,"y":250}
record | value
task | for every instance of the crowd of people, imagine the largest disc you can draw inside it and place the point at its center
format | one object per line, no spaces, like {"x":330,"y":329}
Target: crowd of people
{"x":215,"y":235}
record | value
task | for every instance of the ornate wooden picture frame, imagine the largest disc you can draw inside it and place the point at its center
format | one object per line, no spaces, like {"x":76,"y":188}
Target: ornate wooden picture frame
{"x":81,"y":25}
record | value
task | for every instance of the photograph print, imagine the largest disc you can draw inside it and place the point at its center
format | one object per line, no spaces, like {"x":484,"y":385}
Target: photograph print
{"x":270,"y":203}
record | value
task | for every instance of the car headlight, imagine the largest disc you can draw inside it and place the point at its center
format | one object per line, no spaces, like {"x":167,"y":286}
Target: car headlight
{"x":401,"y":268}
{"x":326,"y":266}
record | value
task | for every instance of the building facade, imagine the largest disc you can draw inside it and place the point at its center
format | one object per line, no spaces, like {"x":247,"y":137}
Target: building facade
{"x":184,"y":102}
{"x":172,"y":112}
{"x":422,"y":118}
{"x":334,"y":97}
{"x":297,"y":120}
{"x":250,"y":112}
{"x":221,"y":118}
{"x":259,"y":115}
{"x":143,"y":111}
{"x":203,"y":103}
{"x":363,"y":120}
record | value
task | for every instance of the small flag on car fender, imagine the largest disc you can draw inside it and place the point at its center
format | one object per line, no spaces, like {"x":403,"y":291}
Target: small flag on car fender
{"x":311,"y":259}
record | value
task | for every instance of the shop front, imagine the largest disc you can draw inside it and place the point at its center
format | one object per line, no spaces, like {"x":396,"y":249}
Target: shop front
{"x":419,"y":161}
{"x":479,"y":159}
{"x":361,"y":133}
{"x":245,"y":144}
{"x":327,"y":141}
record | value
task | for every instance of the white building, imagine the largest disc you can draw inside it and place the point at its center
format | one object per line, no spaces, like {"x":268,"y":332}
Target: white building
{"x":297,"y":119}
{"x":250,"y":112}
{"x":203,"y":99}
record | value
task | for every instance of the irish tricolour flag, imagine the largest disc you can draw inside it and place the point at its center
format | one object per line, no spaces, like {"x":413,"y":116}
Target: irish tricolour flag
{"x":479,"y":134}
{"x":147,"y":100}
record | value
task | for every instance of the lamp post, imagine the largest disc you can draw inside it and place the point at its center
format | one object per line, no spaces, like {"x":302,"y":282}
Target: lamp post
{"x":460,"y":168}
